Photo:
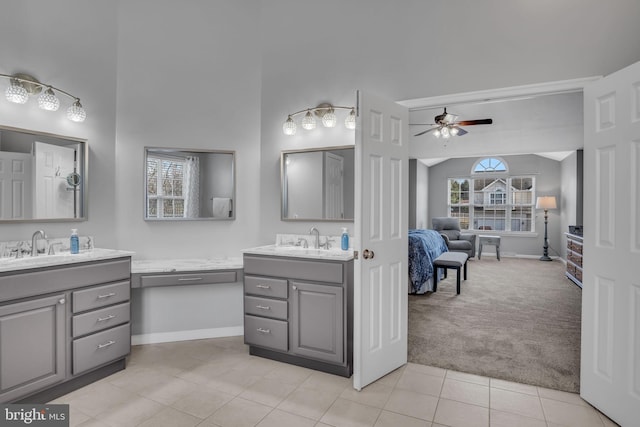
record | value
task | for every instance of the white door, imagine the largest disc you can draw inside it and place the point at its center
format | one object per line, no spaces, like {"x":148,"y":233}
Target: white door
{"x":610,"y":363}
{"x":52,"y":197}
{"x":333,"y":186}
{"x":381,"y":226}
{"x":15,"y":185}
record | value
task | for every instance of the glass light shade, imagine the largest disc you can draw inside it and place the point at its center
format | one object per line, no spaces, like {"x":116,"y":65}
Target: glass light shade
{"x":445,"y":132}
{"x":350,"y":121}
{"x":308,"y":122}
{"x":329,"y":119}
{"x":437,"y":133}
{"x":17,"y":93}
{"x":76,"y":113}
{"x":48,"y":100}
{"x":289,"y":127}
{"x":454,"y":131}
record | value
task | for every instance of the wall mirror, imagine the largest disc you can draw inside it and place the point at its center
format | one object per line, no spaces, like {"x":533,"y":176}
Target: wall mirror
{"x":318,"y":184}
{"x":189,"y":184}
{"x":42,"y":177}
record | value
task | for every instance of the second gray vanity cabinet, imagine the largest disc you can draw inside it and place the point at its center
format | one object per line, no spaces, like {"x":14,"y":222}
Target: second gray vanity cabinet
{"x":299,"y":311}
{"x":32,"y":345}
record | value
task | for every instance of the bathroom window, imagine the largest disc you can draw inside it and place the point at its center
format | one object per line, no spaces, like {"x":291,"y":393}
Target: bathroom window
{"x":165,"y":187}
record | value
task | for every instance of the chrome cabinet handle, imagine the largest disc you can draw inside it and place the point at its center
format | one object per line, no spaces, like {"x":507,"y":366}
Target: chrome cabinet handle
{"x":112,"y":294}
{"x":107,"y":344}
{"x":104,"y":319}
{"x":264,"y":331}
{"x":261,"y":286}
{"x":263,"y":307}
{"x":189,"y":279}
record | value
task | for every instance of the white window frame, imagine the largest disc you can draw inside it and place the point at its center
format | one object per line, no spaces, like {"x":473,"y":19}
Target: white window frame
{"x":160,"y":197}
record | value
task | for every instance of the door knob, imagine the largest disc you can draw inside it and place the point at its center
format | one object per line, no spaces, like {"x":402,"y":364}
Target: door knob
{"x":367,"y":254}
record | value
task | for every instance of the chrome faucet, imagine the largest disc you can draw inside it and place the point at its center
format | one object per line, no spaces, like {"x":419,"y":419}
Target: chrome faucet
{"x":34,"y":241}
{"x":317,"y":233}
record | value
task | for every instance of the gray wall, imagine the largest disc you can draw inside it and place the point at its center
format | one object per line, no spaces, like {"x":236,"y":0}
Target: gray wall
{"x":548,"y":176}
{"x":418,"y":194}
{"x":571,"y":195}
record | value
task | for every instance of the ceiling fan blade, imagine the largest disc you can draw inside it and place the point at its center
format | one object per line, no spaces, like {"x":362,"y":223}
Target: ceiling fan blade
{"x":425,"y":131}
{"x":474,"y":122}
{"x":460,"y":131}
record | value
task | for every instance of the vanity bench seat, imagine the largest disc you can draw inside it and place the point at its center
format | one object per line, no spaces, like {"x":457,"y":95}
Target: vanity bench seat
{"x":181,"y":272}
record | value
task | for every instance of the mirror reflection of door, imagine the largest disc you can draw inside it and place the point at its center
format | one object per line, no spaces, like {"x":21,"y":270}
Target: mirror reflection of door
{"x":333,"y":186}
{"x":53,"y":198}
{"x":15,"y":185}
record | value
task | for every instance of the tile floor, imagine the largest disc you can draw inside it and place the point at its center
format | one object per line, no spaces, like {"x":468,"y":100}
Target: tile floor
{"x":216,"y":382}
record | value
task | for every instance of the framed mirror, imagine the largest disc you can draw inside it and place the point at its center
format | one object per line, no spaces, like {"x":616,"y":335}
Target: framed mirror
{"x":318,"y":184}
{"x":189,"y":184}
{"x":42,"y":177}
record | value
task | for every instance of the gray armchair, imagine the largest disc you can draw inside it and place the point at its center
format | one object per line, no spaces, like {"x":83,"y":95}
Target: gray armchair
{"x":456,"y":241}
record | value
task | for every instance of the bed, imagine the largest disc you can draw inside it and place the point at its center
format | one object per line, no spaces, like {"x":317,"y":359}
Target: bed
{"x":424,"y":247}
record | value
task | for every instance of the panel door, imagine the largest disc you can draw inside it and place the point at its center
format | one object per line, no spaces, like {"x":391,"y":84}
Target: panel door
{"x":317,"y":321}
{"x":32,"y":346}
{"x":381,"y":228}
{"x":610,"y":360}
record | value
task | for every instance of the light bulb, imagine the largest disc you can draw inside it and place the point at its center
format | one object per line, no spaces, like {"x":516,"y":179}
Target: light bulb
{"x":48,"y":100}
{"x":445,"y":132}
{"x":454,"y":131}
{"x":308,"y":122}
{"x":76,"y":113}
{"x":289,"y":127}
{"x":350,"y":121}
{"x":436,"y":133}
{"x":329,"y":119}
{"x":17,"y":93}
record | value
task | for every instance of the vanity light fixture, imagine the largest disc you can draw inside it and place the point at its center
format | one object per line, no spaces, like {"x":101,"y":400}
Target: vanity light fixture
{"x":22,"y":85}
{"x":327,"y":114}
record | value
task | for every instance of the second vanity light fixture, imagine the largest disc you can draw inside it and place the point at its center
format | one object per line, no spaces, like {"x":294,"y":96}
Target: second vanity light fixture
{"x":326,"y":112}
{"x":22,"y":85}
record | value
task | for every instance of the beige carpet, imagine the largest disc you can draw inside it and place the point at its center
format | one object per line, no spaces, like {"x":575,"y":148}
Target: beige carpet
{"x":515,"y":319}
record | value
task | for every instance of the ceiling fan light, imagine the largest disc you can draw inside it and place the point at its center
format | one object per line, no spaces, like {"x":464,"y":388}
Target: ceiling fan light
{"x":437,"y":133}
{"x":16,"y":93}
{"x":329,"y":119}
{"x":308,"y":122}
{"x":48,"y":100}
{"x":76,"y":113}
{"x":350,"y":121}
{"x":289,"y":127}
{"x":454,"y":131}
{"x":445,"y":132}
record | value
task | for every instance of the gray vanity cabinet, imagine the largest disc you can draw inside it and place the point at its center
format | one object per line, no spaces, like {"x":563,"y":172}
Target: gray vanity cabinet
{"x":62,"y":327}
{"x":32,"y":345}
{"x":299,"y":311}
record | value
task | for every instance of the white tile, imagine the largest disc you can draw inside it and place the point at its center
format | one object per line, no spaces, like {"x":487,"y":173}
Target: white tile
{"x":570,"y":415}
{"x":562,"y":396}
{"x":278,"y":418}
{"x":327,"y":382}
{"x":513,"y":386}
{"x":470,"y":378}
{"x":130,"y":413}
{"x":238,"y":413}
{"x":391,"y":419}
{"x":375,"y":394}
{"x":428,"y":370}
{"x":346,"y":413}
{"x":516,"y":403}
{"x":268,"y":392}
{"x":458,"y":414}
{"x":420,"y":383}
{"x":202,"y":401}
{"x":309,"y":403}
{"x":412,"y":404}
{"x":506,"y":419}
{"x":169,"y":417}
{"x":465,"y":392}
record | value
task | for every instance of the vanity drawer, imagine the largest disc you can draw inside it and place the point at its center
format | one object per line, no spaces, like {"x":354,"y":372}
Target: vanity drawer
{"x":98,"y":320}
{"x":266,"y":332}
{"x":320,"y":271}
{"x":187,"y":279}
{"x":100,"y":296}
{"x":100,"y":348}
{"x":266,"y":286}
{"x":265,"y":307}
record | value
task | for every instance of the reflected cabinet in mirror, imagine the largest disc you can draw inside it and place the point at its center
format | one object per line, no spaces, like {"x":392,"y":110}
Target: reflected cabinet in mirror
{"x":42,"y":176}
{"x":318,"y":184}
{"x":189,"y":184}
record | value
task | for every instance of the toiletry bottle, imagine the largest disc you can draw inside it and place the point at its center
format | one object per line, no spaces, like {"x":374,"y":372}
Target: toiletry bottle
{"x":344,"y":241}
{"x":74,"y":245}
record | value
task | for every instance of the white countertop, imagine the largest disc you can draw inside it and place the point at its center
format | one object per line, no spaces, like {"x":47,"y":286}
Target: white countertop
{"x":63,"y":258}
{"x":300,"y":252}
{"x":192,"y":264}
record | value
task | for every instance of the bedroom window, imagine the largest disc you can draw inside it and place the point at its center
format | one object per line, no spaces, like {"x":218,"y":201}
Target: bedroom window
{"x":491,"y":199}
{"x":165,"y":187}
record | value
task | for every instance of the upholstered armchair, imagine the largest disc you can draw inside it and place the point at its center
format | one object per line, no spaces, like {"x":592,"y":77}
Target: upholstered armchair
{"x":449,"y":229}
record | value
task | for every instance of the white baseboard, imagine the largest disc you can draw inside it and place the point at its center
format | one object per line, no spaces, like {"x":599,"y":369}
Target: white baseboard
{"x":197,"y":334}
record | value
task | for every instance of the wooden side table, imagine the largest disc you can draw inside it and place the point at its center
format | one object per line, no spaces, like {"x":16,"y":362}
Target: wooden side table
{"x":489,"y":240}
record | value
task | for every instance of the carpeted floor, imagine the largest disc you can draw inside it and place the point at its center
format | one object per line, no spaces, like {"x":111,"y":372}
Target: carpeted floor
{"x":515,"y":319}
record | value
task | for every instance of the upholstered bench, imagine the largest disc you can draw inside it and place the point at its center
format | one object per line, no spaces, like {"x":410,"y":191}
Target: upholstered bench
{"x":448,"y":260}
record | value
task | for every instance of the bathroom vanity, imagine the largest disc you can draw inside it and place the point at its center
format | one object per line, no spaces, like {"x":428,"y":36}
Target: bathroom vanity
{"x":64,"y":322}
{"x":298,"y":307}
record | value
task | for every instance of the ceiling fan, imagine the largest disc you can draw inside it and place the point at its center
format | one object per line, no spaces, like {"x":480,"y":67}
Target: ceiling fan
{"x":446,"y":125}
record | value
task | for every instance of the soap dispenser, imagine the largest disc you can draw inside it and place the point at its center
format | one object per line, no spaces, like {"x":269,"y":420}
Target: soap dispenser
{"x":74,"y":242}
{"x":344,"y":241}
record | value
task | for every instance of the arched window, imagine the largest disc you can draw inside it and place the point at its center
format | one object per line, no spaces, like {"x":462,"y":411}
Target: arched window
{"x":489,"y":165}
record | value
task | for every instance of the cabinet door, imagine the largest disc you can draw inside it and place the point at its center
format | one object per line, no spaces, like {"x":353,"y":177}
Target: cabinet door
{"x":317,"y":321}
{"x":32,"y":346}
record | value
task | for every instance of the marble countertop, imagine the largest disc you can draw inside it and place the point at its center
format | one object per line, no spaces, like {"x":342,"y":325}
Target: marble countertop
{"x":62,"y":258}
{"x":192,"y":264}
{"x":300,"y":252}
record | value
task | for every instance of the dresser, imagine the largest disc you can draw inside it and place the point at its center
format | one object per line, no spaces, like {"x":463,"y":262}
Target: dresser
{"x":574,"y":258}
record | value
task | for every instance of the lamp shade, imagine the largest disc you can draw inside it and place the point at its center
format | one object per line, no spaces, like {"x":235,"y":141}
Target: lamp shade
{"x":546,"y":202}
